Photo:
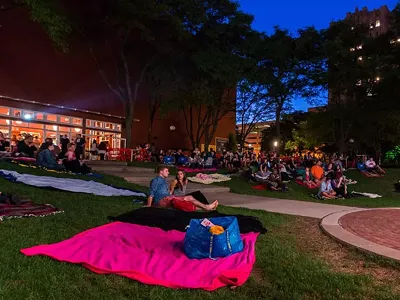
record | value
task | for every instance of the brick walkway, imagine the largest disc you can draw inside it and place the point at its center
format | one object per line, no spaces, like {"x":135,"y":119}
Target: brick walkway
{"x":379,"y":226}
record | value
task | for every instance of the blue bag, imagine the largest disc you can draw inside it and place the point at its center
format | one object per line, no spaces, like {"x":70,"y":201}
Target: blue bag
{"x":200,"y":243}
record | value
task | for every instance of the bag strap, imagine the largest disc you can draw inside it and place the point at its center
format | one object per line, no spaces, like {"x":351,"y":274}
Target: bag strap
{"x":227,"y":241}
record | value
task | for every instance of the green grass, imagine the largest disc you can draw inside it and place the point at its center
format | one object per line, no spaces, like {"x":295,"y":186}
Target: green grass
{"x":382,"y":186}
{"x":282,"y":271}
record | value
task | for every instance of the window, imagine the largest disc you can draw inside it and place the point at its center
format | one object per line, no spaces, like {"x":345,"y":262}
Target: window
{"x":65,"y":119}
{"x":77,"y":121}
{"x":51,"y":127}
{"x":39,"y":116}
{"x":4,"y":111}
{"x":28,"y":115}
{"x":378,"y":23}
{"x":17,"y":113}
{"x":51,"y":118}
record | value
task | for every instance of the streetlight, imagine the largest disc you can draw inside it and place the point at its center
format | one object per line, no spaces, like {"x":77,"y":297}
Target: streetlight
{"x":275,"y":144}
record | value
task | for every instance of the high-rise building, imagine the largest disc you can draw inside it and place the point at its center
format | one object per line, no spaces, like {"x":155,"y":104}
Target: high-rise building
{"x":378,"y":20}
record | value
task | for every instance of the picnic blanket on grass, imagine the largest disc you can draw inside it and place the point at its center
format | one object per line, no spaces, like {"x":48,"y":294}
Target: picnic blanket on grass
{"x":300,"y":182}
{"x":26,"y":209}
{"x":172,"y":219}
{"x":69,"y":184}
{"x":209,"y":178}
{"x":196,"y":170}
{"x":151,"y":256}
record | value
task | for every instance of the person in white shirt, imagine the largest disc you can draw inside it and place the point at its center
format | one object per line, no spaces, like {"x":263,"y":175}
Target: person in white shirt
{"x":373,"y":167}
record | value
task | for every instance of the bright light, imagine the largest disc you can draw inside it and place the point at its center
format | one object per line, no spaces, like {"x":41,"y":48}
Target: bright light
{"x":378,"y":78}
{"x":359,"y":47}
{"x":54,"y":127}
{"x":27,"y":116}
{"x":378,"y":23}
{"x":275,"y":144}
{"x":359,"y":83}
{"x":360,"y":58}
{"x":8,"y":122}
{"x":172,"y":128}
{"x":77,"y":129}
{"x":18,"y":122}
{"x":249,"y":145}
{"x":352,"y":49}
{"x":398,"y":40}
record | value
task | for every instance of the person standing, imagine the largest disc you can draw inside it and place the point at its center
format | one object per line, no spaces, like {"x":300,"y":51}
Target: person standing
{"x":64,"y":143}
{"x":80,"y":146}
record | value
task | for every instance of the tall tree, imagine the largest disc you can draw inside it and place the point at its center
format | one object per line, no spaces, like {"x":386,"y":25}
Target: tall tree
{"x":288,"y":69}
{"x":251,"y":108}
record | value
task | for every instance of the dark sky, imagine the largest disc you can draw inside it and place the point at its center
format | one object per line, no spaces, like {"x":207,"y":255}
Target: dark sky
{"x":293,"y":14}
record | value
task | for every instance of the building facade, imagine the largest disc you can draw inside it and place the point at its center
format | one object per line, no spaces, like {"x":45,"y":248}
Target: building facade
{"x":255,"y":137}
{"x":47,"y":93}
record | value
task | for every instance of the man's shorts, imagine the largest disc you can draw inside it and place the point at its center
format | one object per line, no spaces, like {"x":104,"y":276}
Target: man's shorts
{"x":176,"y":202}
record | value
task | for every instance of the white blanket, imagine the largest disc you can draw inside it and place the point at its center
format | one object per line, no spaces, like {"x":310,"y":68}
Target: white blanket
{"x":72,"y":185}
{"x":369,"y":195}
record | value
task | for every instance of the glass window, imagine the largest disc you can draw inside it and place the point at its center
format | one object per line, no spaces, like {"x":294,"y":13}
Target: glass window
{"x":51,"y":118}
{"x":77,"y":121}
{"x":35,"y":125}
{"x":89,"y":123}
{"x":64,"y":129}
{"x":39,"y":116}
{"x":77,"y":130}
{"x":28,"y":115}
{"x":108,"y":126}
{"x":17,"y":113}
{"x":20,"y":123}
{"x":51,"y":127}
{"x":118,"y":127}
{"x":4,"y":122}
{"x":4,"y":111}
{"x":98,"y":124}
{"x":65,"y":119}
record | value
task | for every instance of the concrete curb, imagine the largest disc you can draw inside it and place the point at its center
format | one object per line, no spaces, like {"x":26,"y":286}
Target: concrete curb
{"x":330,"y":225}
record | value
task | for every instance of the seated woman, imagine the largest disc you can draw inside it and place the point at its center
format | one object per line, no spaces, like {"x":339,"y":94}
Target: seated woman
{"x":274,"y":182}
{"x":236,"y":161}
{"x":72,"y":164}
{"x":283,"y":171}
{"x":373,"y":167}
{"x":329,"y":172}
{"x":308,"y":179}
{"x":4,"y":145}
{"x":178,"y":188}
{"x":325,"y":190}
{"x":47,"y":159}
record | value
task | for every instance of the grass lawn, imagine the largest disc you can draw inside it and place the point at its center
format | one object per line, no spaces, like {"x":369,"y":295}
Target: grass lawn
{"x":382,"y":186}
{"x":294,"y":260}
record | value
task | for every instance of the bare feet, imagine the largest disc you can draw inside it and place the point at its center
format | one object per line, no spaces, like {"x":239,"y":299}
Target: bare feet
{"x":212,"y":206}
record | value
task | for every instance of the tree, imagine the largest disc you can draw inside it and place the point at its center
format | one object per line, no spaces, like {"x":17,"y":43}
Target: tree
{"x":289,"y":69}
{"x":251,"y":109}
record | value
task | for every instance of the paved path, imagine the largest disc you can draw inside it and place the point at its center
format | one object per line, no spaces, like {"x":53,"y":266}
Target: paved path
{"x":371,"y":230}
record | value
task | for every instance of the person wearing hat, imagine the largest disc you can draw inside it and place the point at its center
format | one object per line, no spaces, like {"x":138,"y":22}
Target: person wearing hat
{"x":26,"y":147}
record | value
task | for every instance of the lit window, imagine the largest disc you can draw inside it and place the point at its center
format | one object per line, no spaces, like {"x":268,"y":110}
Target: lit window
{"x":360,"y":58}
{"x":39,"y":116}
{"x":17,"y":113}
{"x":52,"y":118}
{"x":378,"y":23}
{"x":4,"y":111}
{"x":65,"y":119}
{"x":77,"y":121}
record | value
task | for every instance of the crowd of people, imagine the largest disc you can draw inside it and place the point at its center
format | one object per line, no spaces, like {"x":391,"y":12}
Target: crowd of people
{"x":66,"y":157}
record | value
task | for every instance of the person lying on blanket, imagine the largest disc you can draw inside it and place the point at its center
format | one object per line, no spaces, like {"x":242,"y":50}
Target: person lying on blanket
{"x":160,"y":195}
{"x":373,"y":167}
{"x":325,"y":189}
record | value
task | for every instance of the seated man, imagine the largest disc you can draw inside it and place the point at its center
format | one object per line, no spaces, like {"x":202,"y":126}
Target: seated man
{"x":373,"y":167}
{"x":46,"y":158}
{"x":317,"y":172}
{"x":325,"y":190}
{"x":160,"y":195}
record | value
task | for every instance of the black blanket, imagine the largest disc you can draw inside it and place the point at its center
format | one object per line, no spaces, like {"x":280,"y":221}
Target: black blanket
{"x":169,"y":219}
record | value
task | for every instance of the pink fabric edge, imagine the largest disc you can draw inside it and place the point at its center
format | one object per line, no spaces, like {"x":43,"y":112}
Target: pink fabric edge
{"x":224,"y":279}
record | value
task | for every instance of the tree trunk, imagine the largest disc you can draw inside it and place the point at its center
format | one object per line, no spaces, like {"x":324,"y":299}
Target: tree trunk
{"x":128,"y":124}
{"x":278,"y":124}
{"x":149,"y":131}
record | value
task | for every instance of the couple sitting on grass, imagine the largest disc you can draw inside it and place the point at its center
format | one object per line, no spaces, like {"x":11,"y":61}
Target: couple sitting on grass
{"x":174,"y":196}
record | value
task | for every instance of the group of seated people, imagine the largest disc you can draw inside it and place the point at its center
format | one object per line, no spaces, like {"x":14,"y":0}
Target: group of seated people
{"x":173,"y":195}
{"x":50,"y":156}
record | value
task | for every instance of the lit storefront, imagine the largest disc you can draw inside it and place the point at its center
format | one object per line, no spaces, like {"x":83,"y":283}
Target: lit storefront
{"x":16,"y":122}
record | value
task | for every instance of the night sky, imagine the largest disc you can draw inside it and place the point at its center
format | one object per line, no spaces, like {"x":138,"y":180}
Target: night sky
{"x":293,"y":14}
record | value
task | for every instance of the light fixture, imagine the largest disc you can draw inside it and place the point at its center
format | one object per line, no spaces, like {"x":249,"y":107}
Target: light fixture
{"x":54,"y":127}
{"x":77,"y":130}
{"x":8,"y":122}
{"x":359,"y":47}
{"x":275,"y":144}
{"x":249,"y":145}
{"x":352,"y":49}
{"x":27,"y":116}
{"x":172,"y":128}
{"x":378,"y":78}
{"x":360,"y":58}
{"x":18,"y":122}
{"x":378,"y":23}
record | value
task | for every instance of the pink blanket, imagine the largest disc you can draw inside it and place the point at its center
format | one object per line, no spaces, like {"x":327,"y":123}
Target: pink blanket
{"x":151,"y":256}
{"x":190,"y":170}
